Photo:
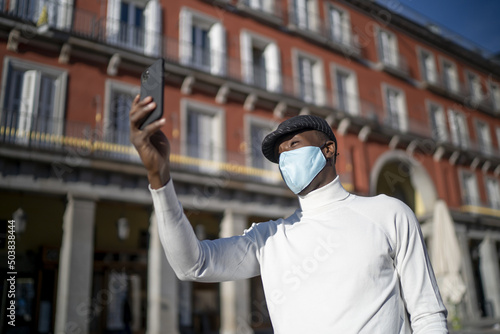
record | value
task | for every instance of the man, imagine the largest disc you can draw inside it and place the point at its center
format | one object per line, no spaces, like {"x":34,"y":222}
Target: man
{"x":340,"y":264}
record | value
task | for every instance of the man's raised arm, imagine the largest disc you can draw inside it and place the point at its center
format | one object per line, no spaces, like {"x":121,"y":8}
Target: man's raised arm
{"x":219,"y":260}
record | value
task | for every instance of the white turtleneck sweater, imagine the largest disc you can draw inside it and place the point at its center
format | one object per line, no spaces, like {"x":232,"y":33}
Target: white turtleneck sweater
{"x":340,"y":264}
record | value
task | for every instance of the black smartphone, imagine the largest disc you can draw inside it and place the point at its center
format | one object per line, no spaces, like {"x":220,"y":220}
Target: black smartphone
{"x":152,"y":83}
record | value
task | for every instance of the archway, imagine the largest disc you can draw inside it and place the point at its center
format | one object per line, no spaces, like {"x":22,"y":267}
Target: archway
{"x":399,"y":175}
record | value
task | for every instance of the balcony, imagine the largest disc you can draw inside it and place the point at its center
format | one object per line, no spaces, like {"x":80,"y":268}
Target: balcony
{"x":79,"y":141}
{"x":394,"y":63}
{"x":312,"y":26}
{"x":270,"y":11}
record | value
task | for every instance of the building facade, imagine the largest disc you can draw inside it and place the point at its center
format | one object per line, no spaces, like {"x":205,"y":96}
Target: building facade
{"x":416,"y":113}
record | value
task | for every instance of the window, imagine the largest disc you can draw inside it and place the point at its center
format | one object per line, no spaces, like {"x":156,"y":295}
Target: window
{"x":493,"y":192}
{"x":388,"y":48}
{"x":135,"y":25}
{"x":33,"y":101}
{"x":495,"y":96}
{"x":470,"y":193}
{"x":119,"y":97}
{"x":57,"y":13}
{"x":346,"y":90}
{"x":257,"y":130}
{"x":438,"y":122}
{"x":484,"y":136}
{"x":260,"y":5}
{"x":202,"y":42}
{"x":459,"y":129}
{"x":310,"y":80}
{"x":260,"y":58}
{"x":428,"y":67}
{"x":395,"y":103}
{"x":474,"y":85}
{"x":305,"y":14}
{"x":450,"y":76}
{"x":340,"y":28}
{"x":202,"y":131}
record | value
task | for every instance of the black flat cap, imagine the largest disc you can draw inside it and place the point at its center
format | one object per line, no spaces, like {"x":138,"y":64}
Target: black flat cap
{"x":294,"y":124}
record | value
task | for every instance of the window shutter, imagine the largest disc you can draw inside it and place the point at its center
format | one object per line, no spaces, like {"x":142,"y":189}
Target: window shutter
{"x":452,"y":116}
{"x":246,"y":57}
{"x":336,"y":24}
{"x":352,"y":95}
{"x":403,"y":117}
{"x":318,"y":83}
{"x":152,"y":29}
{"x":301,"y":13}
{"x":217,"y":36}
{"x":273,"y":67}
{"x":28,"y":107}
{"x":255,"y":4}
{"x":64,"y":14}
{"x":113,"y":21}
{"x":185,"y":37}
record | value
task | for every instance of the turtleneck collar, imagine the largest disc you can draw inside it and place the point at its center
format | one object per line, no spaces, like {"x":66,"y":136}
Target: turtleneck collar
{"x":328,"y":194}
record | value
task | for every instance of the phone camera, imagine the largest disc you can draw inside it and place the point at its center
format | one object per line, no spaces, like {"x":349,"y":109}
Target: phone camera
{"x":145,"y":76}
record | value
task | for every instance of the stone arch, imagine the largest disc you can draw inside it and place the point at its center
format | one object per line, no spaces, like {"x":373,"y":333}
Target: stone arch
{"x":397,"y":174}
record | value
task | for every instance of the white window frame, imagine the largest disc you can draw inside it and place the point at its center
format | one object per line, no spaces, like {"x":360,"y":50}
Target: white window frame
{"x":459,"y":137}
{"x":427,"y":63}
{"x":217,"y":36}
{"x":271,"y":53}
{"x":352,"y":96}
{"x":450,"y":77}
{"x":492,"y":194}
{"x":317,"y":77}
{"x":339,"y":32}
{"x":112,"y":86}
{"x":402,"y":109}
{"x":474,"y":86}
{"x":59,"y":12}
{"x":388,"y":53}
{"x":436,"y":112}
{"x":31,"y":107}
{"x":306,"y":14}
{"x":469,"y":196}
{"x":251,"y":120}
{"x":483,"y":134}
{"x":218,"y":131}
{"x":152,"y":25}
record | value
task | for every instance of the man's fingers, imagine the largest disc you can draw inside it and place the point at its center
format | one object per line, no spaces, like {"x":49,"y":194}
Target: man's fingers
{"x":153,"y":127}
{"x":140,"y":111}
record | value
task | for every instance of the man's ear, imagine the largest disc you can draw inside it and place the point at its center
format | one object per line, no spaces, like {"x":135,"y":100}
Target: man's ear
{"x":330,"y":149}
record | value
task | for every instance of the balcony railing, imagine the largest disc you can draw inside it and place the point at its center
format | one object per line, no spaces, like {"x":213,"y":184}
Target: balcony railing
{"x":78,"y":140}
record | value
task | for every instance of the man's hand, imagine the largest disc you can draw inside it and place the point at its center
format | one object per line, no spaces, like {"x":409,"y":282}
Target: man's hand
{"x":151,"y":144}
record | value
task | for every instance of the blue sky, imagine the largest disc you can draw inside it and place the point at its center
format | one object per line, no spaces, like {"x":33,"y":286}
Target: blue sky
{"x":476,"y":20}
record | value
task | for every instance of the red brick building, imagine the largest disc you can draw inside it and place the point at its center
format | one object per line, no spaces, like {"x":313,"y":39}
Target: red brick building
{"x":415,"y":110}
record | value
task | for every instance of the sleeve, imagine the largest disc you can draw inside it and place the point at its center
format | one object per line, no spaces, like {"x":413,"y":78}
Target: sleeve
{"x":193,"y":260}
{"x":420,"y":291}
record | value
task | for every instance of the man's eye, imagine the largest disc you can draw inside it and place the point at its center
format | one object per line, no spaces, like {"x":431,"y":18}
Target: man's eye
{"x":294,"y":142}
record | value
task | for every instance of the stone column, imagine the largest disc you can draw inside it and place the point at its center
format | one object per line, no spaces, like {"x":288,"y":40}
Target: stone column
{"x":234,"y":295}
{"x":471,"y":309}
{"x":73,"y":309}
{"x":162,"y":287}
{"x":490,"y":274}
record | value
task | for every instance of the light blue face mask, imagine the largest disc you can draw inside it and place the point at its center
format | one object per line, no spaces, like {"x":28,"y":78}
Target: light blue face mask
{"x":299,"y":167}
